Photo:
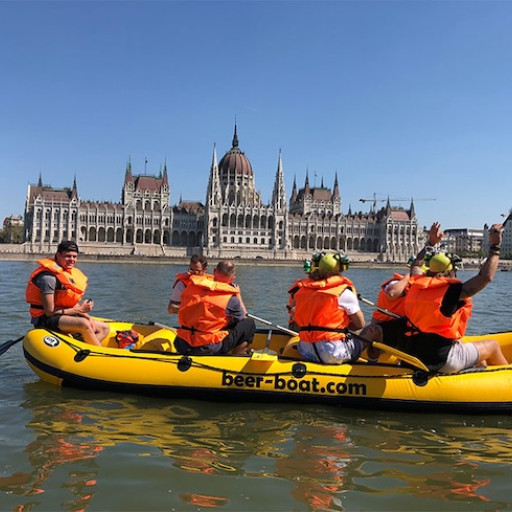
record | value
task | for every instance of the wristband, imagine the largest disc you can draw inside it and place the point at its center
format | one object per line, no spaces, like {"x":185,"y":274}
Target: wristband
{"x":494,"y":247}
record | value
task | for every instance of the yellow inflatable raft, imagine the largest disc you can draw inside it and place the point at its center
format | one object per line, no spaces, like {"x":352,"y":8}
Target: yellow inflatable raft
{"x":272,"y":372}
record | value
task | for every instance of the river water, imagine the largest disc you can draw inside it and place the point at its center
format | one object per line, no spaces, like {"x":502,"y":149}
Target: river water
{"x":73,"y":450}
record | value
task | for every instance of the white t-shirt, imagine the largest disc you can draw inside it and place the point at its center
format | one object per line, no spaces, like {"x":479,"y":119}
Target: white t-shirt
{"x":348,"y":301}
{"x":176,"y":292}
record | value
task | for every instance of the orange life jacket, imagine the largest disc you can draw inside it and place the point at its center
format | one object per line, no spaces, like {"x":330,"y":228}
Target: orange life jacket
{"x":317,"y":311}
{"x":423,"y":303}
{"x":393,"y":305}
{"x":184,"y":277}
{"x":202,"y":313}
{"x":291,"y":298}
{"x":74,"y":284}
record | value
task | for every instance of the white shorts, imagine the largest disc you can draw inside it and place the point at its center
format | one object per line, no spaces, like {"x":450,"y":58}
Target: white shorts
{"x":331,"y":352}
{"x":460,"y":356}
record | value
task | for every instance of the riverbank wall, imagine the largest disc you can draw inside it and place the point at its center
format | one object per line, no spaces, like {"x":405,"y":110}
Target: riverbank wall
{"x":94,"y":254}
{"x":97,"y":253}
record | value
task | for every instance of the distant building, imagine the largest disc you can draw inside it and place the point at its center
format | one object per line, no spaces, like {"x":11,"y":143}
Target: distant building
{"x":506,"y":241}
{"x":464,"y":241}
{"x":13,"y":220}
{"x":233,"y":222}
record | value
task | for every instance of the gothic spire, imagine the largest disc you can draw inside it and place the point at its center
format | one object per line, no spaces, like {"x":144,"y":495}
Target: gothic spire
{"x":235,"y":138}
{"x":128,"y":174}
{"x":213,"y":195}
{"x":335,"y":190}
{"x":165,"y":180}
{"x":294,"y":188}
{"x":307,"y":190}
{"x":74,"y":192}
{"x":279,"y":194}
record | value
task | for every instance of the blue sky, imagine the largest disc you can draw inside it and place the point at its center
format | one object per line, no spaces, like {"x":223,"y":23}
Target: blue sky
{"x":401,"y":99}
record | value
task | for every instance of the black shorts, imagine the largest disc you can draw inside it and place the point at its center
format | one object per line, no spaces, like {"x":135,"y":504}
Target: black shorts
{"x":393,"y":333}
{"x":46,"y":322}
{"x":240,"y":332}
{"x":429,"y":348}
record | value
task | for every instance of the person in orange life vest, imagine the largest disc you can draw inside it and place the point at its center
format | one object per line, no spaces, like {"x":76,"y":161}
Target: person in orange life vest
{"x":386,"y":328}
{"x":213,"y":317}
{"x":383,"y":327}
{"x":309,"y":266}
{"x":327,"y":305}
{"x":197,"y":267}
{"x":54,"y":292}
{"x":438,"y":307}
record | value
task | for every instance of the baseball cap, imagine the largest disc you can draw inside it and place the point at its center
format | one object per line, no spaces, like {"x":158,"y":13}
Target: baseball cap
{"x":67,"y":245}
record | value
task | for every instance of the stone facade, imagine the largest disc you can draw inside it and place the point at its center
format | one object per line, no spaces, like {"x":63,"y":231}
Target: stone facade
{"x":234,"y":221}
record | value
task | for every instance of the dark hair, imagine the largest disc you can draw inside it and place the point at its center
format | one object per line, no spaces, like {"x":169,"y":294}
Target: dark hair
{"x":199,"y":258}
{"x":226,"y":267}
{"x":319,"y":275}
{"x":67,"y":245}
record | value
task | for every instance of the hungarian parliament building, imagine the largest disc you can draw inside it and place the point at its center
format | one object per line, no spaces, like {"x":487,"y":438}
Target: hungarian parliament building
{"x":233,"y":222}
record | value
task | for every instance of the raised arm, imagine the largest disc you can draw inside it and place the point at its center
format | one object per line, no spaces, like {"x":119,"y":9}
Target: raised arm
{"x":488,"y":270}
{"x":435,"y":235}
{"x":396,"y":289}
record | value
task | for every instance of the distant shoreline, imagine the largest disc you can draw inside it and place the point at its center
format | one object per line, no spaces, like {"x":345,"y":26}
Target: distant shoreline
{"x":169,"y":260}
{"x":176,"y":260}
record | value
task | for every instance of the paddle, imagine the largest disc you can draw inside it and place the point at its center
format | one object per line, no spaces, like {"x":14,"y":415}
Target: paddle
{"x":406,"y":358}
{"x":378,"y":308}
{"x":265,"y":355}
{"x":403,"y":356}
{"x":162,"y":326}
{"x":279,"y":327}
{"x":4,"y":347}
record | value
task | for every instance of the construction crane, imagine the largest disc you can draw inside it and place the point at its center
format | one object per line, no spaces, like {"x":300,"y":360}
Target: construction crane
{"x":374,"y":200}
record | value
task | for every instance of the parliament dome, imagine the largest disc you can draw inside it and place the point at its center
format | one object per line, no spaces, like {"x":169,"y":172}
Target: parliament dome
{"x":234,"y":162}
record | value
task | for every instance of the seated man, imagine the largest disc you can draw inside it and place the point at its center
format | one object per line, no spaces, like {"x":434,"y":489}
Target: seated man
{"x":309,"y":266}
{"x":212,"y":316}
{"x":438,"y":307}
{"x":391,"y":327}
{"x":326,"y":306}
{"x":197,"y":267}
{"x":54,"y":292}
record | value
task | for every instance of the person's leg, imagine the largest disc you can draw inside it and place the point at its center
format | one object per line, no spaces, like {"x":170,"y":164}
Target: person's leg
{"x":241,"y":333}
{"x":372,"y":332}
{"x":339,"y":351}
{"x":101,"y":329}
{"x":489,"y":352}
{"x":181,"y":346}
{"x":460,"y":356}
{"x":80,"y":324}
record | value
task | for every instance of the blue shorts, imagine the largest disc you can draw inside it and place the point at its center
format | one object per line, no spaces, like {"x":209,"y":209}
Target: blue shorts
{"x":331,"y":352}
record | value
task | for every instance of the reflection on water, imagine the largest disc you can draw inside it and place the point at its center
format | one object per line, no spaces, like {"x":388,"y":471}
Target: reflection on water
{"x":65,"y":449}
{"x":300,"y":458}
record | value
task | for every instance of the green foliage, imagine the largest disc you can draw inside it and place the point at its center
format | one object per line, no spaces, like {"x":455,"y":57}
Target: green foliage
{"x":11,"y":235}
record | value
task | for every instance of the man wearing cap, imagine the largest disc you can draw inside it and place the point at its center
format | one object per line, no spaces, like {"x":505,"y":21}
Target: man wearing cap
{"x":54,"y":292}
{"x":438,"y":307}
{"x":326,"y":306}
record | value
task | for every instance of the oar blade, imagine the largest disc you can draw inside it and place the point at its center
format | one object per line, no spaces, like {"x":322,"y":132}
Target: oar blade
{"x":8,"y":344}
{"x":407,"y":358}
